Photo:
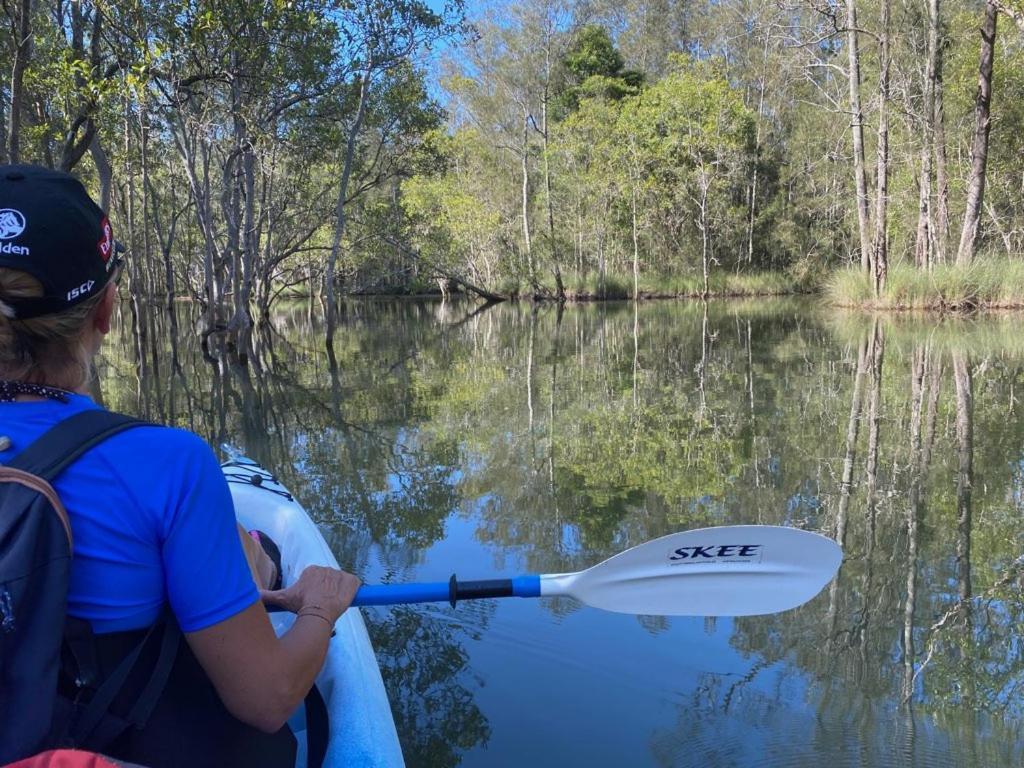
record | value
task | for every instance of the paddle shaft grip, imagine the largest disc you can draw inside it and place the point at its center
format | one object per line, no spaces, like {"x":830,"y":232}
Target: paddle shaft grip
{"x":450,"y":591}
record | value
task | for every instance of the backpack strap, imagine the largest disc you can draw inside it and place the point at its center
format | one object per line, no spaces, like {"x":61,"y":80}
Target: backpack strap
{"x":94,"y":727}
{"x":47,"y":457}
{"x":62,"y":444}
{"x":318,"y":728}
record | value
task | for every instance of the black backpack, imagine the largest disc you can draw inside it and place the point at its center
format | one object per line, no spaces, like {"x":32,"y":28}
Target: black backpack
{"x":35,"y":557}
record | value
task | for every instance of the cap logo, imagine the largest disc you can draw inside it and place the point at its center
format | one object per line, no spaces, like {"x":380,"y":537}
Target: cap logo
{"x":106,"y":244}
{"x":12,"y":223}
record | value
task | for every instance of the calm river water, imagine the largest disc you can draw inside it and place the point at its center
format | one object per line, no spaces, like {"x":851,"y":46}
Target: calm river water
{"x":434,"y":439}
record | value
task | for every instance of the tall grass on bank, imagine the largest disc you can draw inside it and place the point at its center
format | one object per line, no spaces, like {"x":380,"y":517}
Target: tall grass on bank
{"x":720,"y":284}
{"x":988,"y":283}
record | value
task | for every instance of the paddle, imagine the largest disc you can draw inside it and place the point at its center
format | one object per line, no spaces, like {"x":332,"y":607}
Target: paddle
{"x":738,"y":570}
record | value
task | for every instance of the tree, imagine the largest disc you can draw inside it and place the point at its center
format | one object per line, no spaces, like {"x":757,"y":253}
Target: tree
{"x":593,"y":66}
{"x":22,"y":25}
{"x":1013,"y":11}
{"x":380,"y":36}
{"x":980,"y":141}
{"x":697,"y":139}
{"x":880,"y":247}
{"x":857,"y":128}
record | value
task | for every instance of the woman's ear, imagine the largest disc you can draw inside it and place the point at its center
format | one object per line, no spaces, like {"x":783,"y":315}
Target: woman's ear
{"x":105,"y":309}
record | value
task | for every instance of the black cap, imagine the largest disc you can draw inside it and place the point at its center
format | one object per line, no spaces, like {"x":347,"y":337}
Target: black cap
{"x":51,"y":228}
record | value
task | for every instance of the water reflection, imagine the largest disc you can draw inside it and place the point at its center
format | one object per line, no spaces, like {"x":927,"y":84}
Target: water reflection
{"x":435,"y":437}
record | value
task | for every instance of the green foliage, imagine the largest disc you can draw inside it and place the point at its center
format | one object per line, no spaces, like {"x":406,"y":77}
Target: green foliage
{"x":221,"y":134}
{"x":619,"y":285}
{"x":674,"y":154}
{"x":456,"y":217}
{"x":991,"y":282}
{"x":656,"y":136}
{"x":593,"y":53}
{"x":796,"y":191}
{"x":593,"y":67}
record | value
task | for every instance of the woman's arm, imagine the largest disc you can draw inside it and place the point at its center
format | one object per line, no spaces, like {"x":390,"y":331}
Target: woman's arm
{"x":210,"y":587}
{"x":263,"y":569}
{"x":262,"y":678}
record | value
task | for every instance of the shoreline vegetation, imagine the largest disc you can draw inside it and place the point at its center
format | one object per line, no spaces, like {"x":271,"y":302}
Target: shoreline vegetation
{"x":992,"y":283}
{"x":618,"y":287}
{"x":720,"y":285}
{"x":989,"y":283}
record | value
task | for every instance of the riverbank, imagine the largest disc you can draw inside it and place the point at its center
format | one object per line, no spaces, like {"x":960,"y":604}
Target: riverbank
{"x":620,"y":286}
{"x":721,"y":285}
{"x":613,"y":287}
{"x":988,"y":283}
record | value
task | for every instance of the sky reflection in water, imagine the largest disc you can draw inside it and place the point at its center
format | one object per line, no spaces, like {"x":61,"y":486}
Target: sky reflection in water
{"x":511,"y":440}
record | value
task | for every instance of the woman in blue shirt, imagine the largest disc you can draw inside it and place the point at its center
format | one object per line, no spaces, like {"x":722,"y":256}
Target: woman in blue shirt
{"x":150,"y":511}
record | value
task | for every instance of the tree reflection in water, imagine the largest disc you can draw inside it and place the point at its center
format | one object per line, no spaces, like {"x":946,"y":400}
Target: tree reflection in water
{"x":554,"y":439}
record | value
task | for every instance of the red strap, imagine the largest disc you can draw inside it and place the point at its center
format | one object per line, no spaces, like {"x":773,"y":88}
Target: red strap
{"x":66,"y":758}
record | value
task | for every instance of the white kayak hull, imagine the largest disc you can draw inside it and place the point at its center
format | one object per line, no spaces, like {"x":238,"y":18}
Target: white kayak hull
{"x":362,"y":726}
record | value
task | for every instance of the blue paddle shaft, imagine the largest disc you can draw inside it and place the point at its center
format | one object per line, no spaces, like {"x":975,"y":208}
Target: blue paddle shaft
{"x":447,"y":591}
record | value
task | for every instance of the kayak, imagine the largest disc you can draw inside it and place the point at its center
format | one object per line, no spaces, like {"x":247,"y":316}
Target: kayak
{"x":362,"y":728}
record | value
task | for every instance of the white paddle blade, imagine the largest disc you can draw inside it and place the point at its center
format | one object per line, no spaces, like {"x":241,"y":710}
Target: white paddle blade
{"x":741,"y":570}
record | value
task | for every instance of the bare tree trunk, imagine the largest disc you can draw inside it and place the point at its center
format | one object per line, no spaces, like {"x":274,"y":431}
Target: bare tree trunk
{"x":1012,"y":13}
{"x":22,"y":55}
{"x":757,"y":153}
{"x":3,"y":132}
{"x":939,"y":136}
{"x":339,"y":209}
{"x":75,"y":146}
{"x":250,"y":244}
{"x":979,"y":145}
{"x":924,"y":238}
{"x":636,"y":249}
{"x":531,"y":267}
{"x":881,"y":245}
{"x":132,"y":268}
{"x":857,"y":124}
{"x":552,"y":244}
{"x":231,"y":197}
{"x":165,"y":236}
{"x":923,"y":247}
{"x":702,"y":224}
{"x":103,"y":170}
{"x":195,"y":158}
{"x":449,"y":276}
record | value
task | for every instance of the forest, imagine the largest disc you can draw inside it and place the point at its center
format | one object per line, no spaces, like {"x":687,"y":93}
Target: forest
{"x":250,"y":150}
{"x":266,"y":160}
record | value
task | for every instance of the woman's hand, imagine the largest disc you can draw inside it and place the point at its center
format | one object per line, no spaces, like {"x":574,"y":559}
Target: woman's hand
{"x":326,"y":590}
{"x":285,"y":667}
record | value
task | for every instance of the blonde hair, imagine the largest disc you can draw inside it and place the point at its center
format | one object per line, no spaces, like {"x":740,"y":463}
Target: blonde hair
{"x":49,"y":349}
